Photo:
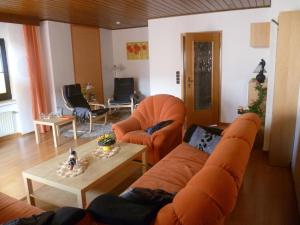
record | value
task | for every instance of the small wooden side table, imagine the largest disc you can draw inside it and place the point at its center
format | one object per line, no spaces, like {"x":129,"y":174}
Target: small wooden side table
{"x":54,"y":123}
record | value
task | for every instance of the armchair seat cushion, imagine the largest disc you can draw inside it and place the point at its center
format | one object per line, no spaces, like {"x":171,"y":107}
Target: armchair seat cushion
{"x":120,"y":102}
{"x":98,"y":112}
{"x":138,"y":137}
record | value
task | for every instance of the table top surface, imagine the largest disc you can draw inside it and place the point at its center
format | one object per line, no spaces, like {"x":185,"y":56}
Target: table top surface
{"x":55,"y":120}
{"x":97,"y":169}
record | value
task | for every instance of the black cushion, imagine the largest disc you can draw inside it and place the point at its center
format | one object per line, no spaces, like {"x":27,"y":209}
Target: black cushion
{"x":41,"y":219}
{"x":123,"y":89}
{"x":124,"y":101}
{"x":114,"y":210}
{"x":157,"y":197}
{"x":68,"y":216}
{"x":97,"y":112}
{"x":158,"y":126}
{"x":74,"y":97}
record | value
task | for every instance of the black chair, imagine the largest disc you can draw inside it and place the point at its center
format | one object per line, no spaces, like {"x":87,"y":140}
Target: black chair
{"x":124,"y":94}
{"x":75,"y":101}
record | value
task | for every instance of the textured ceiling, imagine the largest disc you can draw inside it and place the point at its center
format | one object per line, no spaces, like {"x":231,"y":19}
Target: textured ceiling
{"x":105,"y":14}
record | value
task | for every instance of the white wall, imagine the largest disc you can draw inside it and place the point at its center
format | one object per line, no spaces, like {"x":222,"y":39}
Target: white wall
{"x":19,"y":77}
{"x":138,"y":69}
{"x":57,"y":50}
{"x":107,"y":62}
{"x":238,"y":58}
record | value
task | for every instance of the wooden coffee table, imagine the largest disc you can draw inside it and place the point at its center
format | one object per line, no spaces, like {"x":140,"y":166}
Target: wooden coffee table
{"x":101,"y":176}
{"x":54,"y":123}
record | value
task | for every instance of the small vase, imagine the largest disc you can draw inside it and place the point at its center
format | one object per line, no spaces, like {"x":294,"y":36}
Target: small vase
{"x":107,"y":148}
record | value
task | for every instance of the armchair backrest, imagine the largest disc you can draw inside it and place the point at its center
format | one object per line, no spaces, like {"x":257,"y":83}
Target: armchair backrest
{"x":123,"y":89}
{"x":157,"y":108}
{"x":73,"y":96}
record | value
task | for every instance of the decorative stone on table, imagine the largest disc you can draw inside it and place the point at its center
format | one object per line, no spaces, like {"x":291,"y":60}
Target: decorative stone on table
{"x":73,"y":166}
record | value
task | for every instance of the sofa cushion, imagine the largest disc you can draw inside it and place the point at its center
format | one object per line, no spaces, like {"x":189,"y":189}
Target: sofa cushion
{"x":43,"y":218}
{"x":68,"y":216}
{"x":114,"y":210}
{"x":227,"y":153}
{"x":244,"y":129}
{"x":138,"y":137}
{"x":204,"y":140}
{"x":173,"y":172}
{"x":158,"y":126}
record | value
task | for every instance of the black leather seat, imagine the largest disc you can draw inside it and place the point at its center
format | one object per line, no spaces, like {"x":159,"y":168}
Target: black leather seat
{"x":75,"y":101}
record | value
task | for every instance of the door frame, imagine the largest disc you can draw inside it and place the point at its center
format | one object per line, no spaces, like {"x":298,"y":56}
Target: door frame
{"x":184,"y":76}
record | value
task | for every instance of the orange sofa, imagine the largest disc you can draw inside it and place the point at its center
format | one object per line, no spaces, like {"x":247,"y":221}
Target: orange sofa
{"x":207,"y":186}
{"x":151,"y":111}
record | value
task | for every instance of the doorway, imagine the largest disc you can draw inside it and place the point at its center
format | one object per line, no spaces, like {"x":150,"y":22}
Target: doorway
{"x":202,"y":77}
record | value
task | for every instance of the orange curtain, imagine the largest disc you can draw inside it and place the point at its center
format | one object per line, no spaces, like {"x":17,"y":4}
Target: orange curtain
{"x":36,"y":72}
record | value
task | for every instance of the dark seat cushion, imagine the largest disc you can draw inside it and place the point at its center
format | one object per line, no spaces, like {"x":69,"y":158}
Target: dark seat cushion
{"x":114,"y":210}
{"x":121,"y":101}
{"x":68,"y":216}
{"x":98,"y":112}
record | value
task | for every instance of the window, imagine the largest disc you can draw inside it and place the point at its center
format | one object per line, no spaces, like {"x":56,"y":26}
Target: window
{"x":5,"y":92}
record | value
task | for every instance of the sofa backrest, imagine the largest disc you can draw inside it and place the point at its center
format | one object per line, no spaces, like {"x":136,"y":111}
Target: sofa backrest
{"x":211,"y":194}
{"x":157,"y":108}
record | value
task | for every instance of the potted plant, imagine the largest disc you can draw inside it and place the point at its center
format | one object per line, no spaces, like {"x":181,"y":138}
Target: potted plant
{"x":106,"y":141}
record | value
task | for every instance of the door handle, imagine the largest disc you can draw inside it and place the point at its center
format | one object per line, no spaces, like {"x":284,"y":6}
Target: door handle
{"x":190,"y":81}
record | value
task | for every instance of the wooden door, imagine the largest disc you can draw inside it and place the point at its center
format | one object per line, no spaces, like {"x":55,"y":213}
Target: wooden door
{"x":87,"y":58}
{"x":286,"y":89}
{"x":202,"y":77}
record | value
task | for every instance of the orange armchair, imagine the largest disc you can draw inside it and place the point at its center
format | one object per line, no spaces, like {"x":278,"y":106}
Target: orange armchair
{"x":151,"y":111}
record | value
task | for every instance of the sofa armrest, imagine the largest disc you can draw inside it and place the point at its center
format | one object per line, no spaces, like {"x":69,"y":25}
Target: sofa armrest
{"x":166,"y":139}
{"x":125,"y":126}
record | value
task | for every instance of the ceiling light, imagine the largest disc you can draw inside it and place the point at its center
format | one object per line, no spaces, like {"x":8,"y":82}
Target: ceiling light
{"x":118,"y":22}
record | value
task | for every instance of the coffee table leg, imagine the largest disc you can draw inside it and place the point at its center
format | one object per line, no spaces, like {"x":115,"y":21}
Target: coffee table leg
{"x":29,"y":191}
{"x":54,"y":135}
{"x":37,"y":133}
{"x":144,"y":162}
{"x":74,"y":129}
{"x":81,"y":199}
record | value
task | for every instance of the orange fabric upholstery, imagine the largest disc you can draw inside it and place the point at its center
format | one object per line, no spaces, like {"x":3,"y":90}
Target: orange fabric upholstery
{"x":212,"y":192}
{"x":180,"y":165}
{"x":11,"y":209}
{"x":207,"y":186}
{"x":151,"y":111}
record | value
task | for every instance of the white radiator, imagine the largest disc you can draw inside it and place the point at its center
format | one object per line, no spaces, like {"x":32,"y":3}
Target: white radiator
{"x":7,"y":125}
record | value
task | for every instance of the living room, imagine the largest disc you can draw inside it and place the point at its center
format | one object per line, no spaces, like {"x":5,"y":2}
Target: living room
{"x":94,"y":43}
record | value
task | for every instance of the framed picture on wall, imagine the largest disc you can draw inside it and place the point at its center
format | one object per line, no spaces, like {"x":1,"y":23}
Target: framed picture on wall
{"x":137,"y":50}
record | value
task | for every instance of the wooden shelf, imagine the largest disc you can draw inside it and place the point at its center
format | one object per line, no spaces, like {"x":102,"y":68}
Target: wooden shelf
{"x":260,"y":35}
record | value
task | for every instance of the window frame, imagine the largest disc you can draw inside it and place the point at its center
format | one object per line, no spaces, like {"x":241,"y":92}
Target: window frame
{"x":7,"y":95}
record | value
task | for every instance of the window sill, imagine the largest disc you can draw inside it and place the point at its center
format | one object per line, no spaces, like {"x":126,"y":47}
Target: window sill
{"x":8,"y":105}
{"x":7,"y":102}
